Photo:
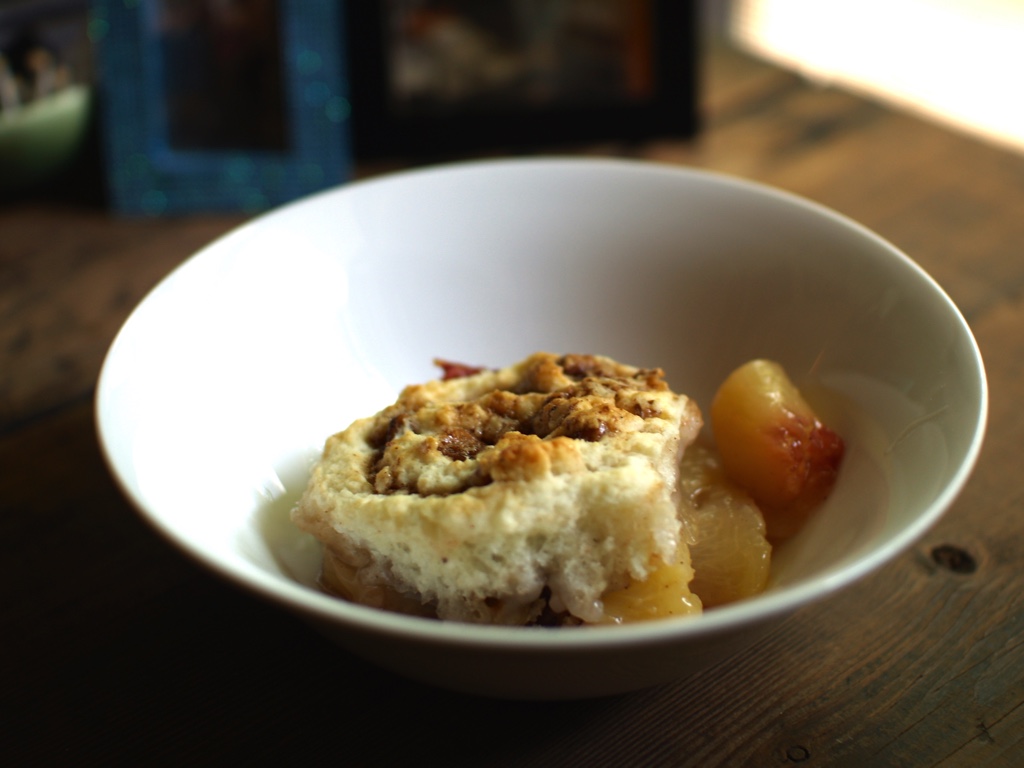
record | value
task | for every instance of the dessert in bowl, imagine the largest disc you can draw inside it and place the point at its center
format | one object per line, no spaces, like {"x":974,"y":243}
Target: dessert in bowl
{"x":218,"y":394}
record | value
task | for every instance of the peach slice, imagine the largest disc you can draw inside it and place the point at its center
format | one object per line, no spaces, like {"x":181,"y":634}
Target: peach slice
{"x":664,"y":593}
{"x":730,"y":554}
{"x":773,"y":445}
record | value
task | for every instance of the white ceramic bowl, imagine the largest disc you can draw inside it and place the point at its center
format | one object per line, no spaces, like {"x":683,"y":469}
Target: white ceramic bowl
{"x":220,"y":389}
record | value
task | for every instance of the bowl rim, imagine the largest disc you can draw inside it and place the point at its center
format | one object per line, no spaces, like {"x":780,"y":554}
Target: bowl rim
{"x":774,"y":603}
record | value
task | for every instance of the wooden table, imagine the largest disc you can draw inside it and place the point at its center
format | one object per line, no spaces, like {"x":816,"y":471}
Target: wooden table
{"x":119,"y":650}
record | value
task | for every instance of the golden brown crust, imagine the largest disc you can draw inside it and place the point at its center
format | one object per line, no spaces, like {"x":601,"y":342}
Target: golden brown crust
{"x":491,"y":494}
{"x":577,"y":397}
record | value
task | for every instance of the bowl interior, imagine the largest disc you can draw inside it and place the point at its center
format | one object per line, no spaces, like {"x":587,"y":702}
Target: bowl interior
{"x":219,"y":391}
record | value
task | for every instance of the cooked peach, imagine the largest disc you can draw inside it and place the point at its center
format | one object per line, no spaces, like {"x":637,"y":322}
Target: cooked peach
{"x":773,"y":445}
{"x":730,"y":555}
{"x":665,"y":592}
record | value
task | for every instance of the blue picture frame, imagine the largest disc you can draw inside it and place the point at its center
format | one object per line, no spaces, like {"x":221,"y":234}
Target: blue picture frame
{"x":299,"y":144}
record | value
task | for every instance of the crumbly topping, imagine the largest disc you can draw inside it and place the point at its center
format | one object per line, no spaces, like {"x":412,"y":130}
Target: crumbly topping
{"x":516,"y":424}
{"x":506,"y":497}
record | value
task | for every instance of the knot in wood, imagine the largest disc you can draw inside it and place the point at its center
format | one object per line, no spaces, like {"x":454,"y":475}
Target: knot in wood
{"x":797,"y":754}
{"x":954,"y":559}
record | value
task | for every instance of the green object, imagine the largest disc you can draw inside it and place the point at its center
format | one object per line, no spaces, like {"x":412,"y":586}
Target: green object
{"x":41,"y":137}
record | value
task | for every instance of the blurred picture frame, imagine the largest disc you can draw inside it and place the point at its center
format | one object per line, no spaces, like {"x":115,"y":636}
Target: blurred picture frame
{"x":440,"y":76}
{"x":214,"y":106}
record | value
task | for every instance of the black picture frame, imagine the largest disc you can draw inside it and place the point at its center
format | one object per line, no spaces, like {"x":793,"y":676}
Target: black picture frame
{"x":165,"y":155}
{"x":391,"y":119}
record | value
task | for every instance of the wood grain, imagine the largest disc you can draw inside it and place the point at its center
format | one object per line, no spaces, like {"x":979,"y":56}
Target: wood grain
{"x":68,"y":279}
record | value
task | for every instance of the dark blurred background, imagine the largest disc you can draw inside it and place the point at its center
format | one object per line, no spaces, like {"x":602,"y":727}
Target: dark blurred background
{"x":49,"y":123}
{"x":429,"y":80}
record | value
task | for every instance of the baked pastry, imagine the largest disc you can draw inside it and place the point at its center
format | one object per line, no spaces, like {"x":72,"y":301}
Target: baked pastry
{"x":514,"y":496}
